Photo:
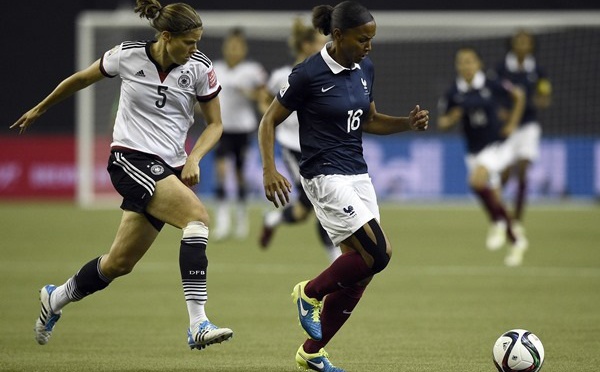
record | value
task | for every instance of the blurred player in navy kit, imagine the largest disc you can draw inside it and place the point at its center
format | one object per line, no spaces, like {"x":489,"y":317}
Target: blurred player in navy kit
{"x":521,"y":68}
{"x":242,"y":80}
{"x":332,"y":93}
{"x":162,"y":80}
{"x":304,"y":42}
{"x":474,"y":100}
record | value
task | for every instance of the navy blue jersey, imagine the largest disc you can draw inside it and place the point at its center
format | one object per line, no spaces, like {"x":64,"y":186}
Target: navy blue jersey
{"x":526,"y":78}
{"x":480,"y":103}
{"x":332,"y":102}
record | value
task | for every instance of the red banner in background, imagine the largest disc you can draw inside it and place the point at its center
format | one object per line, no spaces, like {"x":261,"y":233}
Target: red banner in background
{"x":37,"y":167}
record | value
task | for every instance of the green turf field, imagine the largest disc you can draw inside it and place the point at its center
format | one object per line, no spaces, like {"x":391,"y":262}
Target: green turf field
{"x":438,"y":307}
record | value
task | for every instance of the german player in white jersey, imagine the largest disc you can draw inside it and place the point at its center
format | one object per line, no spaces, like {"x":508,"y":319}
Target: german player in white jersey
{"x":242,"y":79}
{"x":304,"y":41}
{"x":162,"y":80}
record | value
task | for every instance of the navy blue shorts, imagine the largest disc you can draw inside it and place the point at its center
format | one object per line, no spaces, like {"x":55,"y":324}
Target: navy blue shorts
{"x":234,"y":144}
{"x":134,"y":176}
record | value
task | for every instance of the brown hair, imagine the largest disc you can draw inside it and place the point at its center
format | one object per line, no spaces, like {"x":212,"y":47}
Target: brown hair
{"x":301,"y":33}
{"x":177,"y":18}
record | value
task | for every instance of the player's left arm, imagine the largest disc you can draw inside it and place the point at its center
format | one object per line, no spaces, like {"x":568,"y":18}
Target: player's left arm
{"x":211,"y":111}
{"x":378,"y":123}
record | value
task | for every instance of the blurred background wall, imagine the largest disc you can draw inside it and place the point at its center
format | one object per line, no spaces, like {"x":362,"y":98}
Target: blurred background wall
{"x":38,"y":42}
{"x":39,"y":51}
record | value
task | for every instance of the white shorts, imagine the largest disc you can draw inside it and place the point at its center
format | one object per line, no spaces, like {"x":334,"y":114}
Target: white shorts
{"x":495,"y":157}
{"x":525,"y":141}
{"x":343,"y":204}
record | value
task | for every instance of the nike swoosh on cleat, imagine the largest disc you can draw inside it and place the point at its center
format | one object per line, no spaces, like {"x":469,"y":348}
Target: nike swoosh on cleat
{"x":319,"y":365}
{"x":323,"y":89}
{"x":302,"y":310}
{"x":346,"y":312}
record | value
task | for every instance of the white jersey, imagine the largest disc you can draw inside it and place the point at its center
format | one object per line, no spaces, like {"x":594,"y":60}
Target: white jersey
{"x":156,"y":108}
{"x":287,"y":133}
{"x":237,"y":109}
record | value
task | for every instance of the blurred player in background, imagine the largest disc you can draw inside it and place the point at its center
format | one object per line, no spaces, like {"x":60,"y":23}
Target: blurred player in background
{"x":242,"y":80}
{"x":474,"y":101}
{"x":304,"y":42}
{"x":520,"y":67}
{"x":332,"y":93}
{"x":161,"y":82}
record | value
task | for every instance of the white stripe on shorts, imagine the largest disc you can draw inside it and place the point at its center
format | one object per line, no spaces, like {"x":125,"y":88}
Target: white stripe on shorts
{"x":137,"y":175}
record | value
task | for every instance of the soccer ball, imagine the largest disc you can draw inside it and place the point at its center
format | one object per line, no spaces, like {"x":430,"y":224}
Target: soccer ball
{"x":518,"y":350}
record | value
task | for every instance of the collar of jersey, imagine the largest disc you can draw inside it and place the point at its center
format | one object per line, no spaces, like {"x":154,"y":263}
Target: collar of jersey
{"x":477,"y":83}
{"x":335,"y":67}
{"x":512,"y":63}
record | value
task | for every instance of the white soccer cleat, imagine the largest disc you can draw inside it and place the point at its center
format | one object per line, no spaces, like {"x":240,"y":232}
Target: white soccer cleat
{"x":47,"y":319}
{"x":516,"y":252}
{"x":519,"y":232}
{"x":496,"y":237}
{"x":206,"y":333}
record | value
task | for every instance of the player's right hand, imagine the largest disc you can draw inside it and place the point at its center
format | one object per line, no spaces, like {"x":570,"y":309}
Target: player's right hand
{"x":26,"y":120}
{"x":277,"y":187}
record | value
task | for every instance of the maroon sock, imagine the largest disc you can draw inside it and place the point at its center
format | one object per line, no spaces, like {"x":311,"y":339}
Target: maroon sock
{"x":520,"y":200}
{"x":488,"y":200}
{"x":496,"y":209}
{"x":347,"y":270}
{"x":337,"y":308}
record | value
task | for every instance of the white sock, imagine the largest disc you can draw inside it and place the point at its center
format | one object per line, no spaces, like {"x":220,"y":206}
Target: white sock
{"x":196,"y":312}
{"x":59,"y":298}
{"x":273,"y":218}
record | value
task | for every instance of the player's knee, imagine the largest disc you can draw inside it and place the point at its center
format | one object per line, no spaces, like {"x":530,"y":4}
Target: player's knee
{"x":197,"y":213}
{"x":381,"y":260}
{"x":116,"y":267}
{"x":379,"y":249}
{"x":477,"y":184}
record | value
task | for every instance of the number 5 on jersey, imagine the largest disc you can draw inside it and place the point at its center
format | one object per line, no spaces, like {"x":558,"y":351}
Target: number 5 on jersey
{"x":161,"y":92}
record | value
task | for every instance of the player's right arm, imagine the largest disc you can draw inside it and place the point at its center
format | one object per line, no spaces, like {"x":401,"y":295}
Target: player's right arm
{"x":65,"y":89}
{"x":277,"y":187}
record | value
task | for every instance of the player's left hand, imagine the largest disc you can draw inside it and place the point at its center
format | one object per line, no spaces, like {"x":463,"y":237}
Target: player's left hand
{"x":418,"y":119}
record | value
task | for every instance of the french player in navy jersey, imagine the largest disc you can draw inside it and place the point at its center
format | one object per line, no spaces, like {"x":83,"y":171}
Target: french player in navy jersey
{"x":474,"y":101}
{"x":148,"y":165}
{"x":332,"y":94}
{"x":521,"y":68}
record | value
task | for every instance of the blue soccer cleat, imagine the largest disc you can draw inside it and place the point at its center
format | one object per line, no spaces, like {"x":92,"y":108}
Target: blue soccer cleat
{"x":206,"y":333}
{"x":315,"y":362}
{"x":309,"y":311}
{"x":47,"y":319}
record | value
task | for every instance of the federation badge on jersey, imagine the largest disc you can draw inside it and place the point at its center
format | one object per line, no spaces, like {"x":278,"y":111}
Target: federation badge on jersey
{"x":184,"y":81}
